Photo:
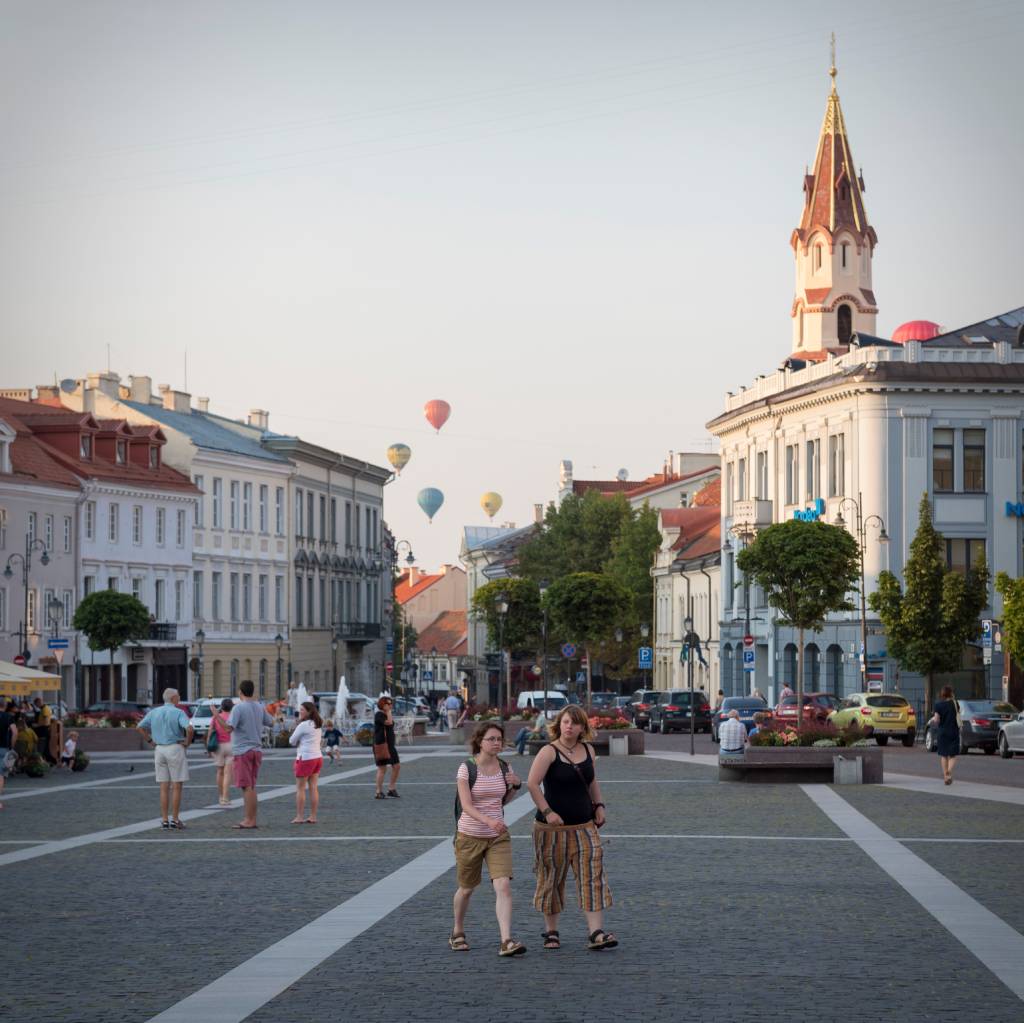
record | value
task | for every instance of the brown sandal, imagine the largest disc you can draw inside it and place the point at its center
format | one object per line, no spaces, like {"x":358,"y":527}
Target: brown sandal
{"x":601,"y":939}
{"x":458,"y":943}
{"x":511,"y":947}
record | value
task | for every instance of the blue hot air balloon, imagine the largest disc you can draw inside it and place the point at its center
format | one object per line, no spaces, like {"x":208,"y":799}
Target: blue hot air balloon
{"x":430,"y":500}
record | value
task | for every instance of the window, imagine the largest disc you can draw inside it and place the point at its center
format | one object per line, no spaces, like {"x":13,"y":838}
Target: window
{"x":90,"y":520}
{"x":298,"y":601}
{"x":974,"y":461}
{"x":48,"y":532}
{"x":67,"y":534}
{"x":323,"y":602}
{"x":844,"y":256}
{"x":367,"y":533}
{"x":179,"y":529}
{"x":298,"y":513}
{"x":279,"y":511}
{"x":729,"y":474}
{"x":85,"y":447}
{"x":33,"y":528}
{"x":792,"y":474}
{"x":812,"y":471}
{"x":279,"y":598}
{"x":68,"y":599}
{"x":334,"y":520}
{"x":233,"y":504}
{"x":112,"y":583}
{"x":122,"y":452}
{"x":179,"y":600}
{"x":247,"y":507}
{"x":3,"y":609}
{"x":356,"y":516}
{"x":197,"y":595}
{"x":32,"y":601}
{"x":836,"y":465}
{"x":137,"y":589}
{"x":310,"y":523}
{"x":88,"y":585}
{"x":348,"y":523}
{"x":158,"y":599}
{"x":199,"y":516}
{"x":263,"y":679}
{"x":844,"y":324}
{"x":263,"y":510}
{"x":137,"y":525}
{"x":376,"y":534}
{"x":3,"y":529}
{"x":234,"y":676}
{"x":962,"y":555}
{"x":112,"y":522}
{"x":247,"y":597}
{"x":817,"y":258}
{"x":218,"y":503}
{"x":154,"y":457}
{"x":262,"y":600}
{"x":215,"y":596}
{"x":161,"y":526}
{"x":310,"y":608}
{"x":761,"y":482}
{"x":233,"y":596}
{"x":942,"y":461}
{"x":323,"y":518}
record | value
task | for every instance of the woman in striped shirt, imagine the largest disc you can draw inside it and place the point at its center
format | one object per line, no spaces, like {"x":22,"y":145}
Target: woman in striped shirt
{"x":481,"y":835}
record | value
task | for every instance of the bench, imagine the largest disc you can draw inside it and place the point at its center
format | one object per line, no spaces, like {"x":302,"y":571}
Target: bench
{"x":802,"y":764}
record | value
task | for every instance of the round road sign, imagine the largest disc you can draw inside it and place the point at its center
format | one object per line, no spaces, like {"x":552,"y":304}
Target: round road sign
{"x":569,"y":650}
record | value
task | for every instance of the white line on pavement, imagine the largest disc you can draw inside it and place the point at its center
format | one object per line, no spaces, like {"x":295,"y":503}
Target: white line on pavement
{"x":252,"y":984}
{"x":698,"y":759}
{"x":92,"y":784}
{"x":965,"y":789}
{"x":993,"y":941}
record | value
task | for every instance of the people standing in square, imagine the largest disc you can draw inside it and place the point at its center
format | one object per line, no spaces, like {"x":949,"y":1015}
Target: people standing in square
{"x":246,"y":722}
{"x":168,"y":730}
{"x":307,"y":736}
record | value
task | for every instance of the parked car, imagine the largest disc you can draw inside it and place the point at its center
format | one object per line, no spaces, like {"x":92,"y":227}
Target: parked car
{"x":602,"y":701}
{"x":1011,"y":737}
{"x":535,"y":698}
{"x":817,"y":707}
{"x":101,"y":710}
{"x":202,"y":715}
{"x":640,"y":706}
{"x":672,"y":712}
{"x":745,"y":706}
{"x":982,"y":720}
{"x":622,"y":704}
{"x":888,"y":715}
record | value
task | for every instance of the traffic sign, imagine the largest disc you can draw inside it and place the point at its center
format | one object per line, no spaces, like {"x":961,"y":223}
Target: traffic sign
{"x":428,"y":676}
{"x":389,"y":646}
{"x":569,"y":650}
{"x":19,"y":659}
{"x":646,"y":657}
{"x":389,"y":667}
{"x":748,"y":642}
{"x":57,"y":643}
{"x":748,"y":660}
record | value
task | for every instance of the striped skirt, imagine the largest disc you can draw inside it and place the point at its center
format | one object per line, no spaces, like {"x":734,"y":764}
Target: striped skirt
{"x":556,"y":848}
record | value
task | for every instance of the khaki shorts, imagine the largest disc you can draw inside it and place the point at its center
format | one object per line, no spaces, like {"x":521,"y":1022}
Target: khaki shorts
{"x":470,"y":853}
{"x":222,"y":754}
{"x":171,"y":763}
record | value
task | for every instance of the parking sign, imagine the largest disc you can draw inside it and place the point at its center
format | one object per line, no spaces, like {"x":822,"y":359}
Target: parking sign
{"x":645,"y":657}
{"x":748,"y":660}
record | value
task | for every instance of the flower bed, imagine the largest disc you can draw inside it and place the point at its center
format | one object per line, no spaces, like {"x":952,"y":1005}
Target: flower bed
{"x":821,"y":736}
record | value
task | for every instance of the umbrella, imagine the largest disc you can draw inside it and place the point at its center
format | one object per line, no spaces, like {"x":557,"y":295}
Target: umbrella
{"x":16,"y":680}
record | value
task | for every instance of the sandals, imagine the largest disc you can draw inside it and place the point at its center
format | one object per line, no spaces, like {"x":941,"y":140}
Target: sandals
{"x":392,"y":794}
{"x":511,"y":947}
{"x":551,"y":940}
{"x":458,"y":943}
{"x":601,"y":939}
{"x":380,"y":795}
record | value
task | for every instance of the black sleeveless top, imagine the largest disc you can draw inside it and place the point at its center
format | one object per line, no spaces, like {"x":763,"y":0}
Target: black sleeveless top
{"x":565,"y":793}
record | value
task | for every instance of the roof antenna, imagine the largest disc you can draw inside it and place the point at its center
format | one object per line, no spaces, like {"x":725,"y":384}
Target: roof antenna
{"x":832,"y":70}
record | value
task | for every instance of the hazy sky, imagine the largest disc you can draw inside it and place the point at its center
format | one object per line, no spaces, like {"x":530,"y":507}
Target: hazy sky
{"x":569,"y":219}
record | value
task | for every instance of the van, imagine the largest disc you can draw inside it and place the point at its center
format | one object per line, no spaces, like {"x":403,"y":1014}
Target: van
{"x":535,"y":698}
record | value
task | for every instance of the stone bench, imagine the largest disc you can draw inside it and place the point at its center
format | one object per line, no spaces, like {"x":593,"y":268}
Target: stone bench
{"x":803,"y":764}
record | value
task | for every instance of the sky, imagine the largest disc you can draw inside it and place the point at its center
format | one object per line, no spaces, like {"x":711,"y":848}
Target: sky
{"x":570,"y":220}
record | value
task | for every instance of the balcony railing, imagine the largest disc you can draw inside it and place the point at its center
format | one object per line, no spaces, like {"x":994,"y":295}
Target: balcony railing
{"x":356,"y":631}
{"x":163,"y":632}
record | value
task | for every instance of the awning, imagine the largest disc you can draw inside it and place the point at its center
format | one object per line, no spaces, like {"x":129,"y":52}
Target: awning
{"x":16,"y":680}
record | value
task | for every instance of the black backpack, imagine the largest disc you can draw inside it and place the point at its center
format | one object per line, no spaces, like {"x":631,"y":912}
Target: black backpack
{"x":472,"y":768}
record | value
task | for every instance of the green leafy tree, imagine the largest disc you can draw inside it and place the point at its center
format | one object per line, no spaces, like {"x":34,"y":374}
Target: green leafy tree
{"x":522,"y":624}
{"x":806,"y":570}
{"x":632,"y":555}
{"x":1012,"y":591}
{"x":586,"y":608}
{"x":403,"y":634}
{"x":108,"y":620}
{"x":936,"y":611}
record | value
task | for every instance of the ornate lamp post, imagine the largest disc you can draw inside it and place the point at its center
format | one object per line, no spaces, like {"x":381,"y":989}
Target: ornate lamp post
{"x":501,"y":607}
{"x":279,"y":642}
{"x":26,"y":567}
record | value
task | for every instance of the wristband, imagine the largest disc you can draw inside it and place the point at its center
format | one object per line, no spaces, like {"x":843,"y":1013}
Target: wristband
{"x":545,"y":813}
{"x":516,"y":788}
{"x":603,"y":807}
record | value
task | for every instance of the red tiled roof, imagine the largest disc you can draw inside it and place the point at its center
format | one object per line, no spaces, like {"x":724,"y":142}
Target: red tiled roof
{"x":31,"y":462}
{"x":691,"y":522}
{"x":446,"y":633}
{"x":708,"y":542}
{"x":604,"y":486}
{"x":634,"y":487}
{"x":663,"y":480}
{"x":404,"y":592}
{"x":709,"y":494}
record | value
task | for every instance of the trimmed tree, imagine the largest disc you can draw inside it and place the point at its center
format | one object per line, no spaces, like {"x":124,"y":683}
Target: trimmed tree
{"x":936,"y":611}
{"x":586,"y":607}
{"x":1012,"y":591}
{"x":108,"y":620}
{"x":807,"y":570}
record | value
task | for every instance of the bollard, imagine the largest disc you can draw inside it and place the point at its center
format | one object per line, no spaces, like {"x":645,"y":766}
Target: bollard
{"x":847,"y":770}
{"x":618,"y":745}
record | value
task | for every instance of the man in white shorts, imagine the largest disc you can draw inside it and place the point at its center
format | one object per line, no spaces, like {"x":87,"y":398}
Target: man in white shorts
{"x":168,"y":729}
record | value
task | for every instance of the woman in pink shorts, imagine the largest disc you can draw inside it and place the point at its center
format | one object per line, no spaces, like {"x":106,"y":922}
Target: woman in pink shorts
{"x":308,"y":736}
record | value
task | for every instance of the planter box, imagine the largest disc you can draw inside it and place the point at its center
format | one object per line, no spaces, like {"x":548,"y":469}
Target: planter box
{"x":108,"y":740}
{"x":804,"y":764}
{"x":634,"y":740}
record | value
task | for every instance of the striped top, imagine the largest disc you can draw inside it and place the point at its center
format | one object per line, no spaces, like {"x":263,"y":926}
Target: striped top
{"x":487,"y":793}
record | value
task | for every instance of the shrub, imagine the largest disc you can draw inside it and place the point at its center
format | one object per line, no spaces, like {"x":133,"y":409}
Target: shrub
{"x":81,"y":761}
{"x":776,"y":734}
{"x":364,"y":734}
{"x":608,"y":721}
{"x":35,"y":766}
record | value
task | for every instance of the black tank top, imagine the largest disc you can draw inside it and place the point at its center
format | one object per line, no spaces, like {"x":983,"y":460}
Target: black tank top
{"x":565,"y":793}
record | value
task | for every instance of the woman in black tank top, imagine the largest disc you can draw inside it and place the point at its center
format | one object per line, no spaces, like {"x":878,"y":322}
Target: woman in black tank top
{"x":563,"y":784}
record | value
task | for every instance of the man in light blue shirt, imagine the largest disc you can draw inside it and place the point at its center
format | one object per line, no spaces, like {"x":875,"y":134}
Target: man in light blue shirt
{"x":168,"y":729}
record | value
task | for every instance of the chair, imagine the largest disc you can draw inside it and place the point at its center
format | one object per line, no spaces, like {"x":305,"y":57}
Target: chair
{"x":403,"y":728}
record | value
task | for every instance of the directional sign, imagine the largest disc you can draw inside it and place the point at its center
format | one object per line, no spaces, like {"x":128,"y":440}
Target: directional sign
{"x":645,"y":657}
{"x":748,"y":660}
{"x":569,"y":650}
{"x":58,"y":643}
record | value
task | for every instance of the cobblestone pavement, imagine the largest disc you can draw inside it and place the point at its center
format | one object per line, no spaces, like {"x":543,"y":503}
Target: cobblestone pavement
{"x":725,"y":895}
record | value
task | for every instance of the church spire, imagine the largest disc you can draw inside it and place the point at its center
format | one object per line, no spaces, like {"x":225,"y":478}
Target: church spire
{"x":834,"y":243}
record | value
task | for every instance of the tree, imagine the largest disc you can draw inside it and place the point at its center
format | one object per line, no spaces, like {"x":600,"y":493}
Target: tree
{"x":1012,"y":591}
{"x":930,"y":620}
{"x":403,"y":634}
{"x":110,"y":619}
{"x":586,"y":607}
{"x":632,"y":555}
{"x":806,"y":570}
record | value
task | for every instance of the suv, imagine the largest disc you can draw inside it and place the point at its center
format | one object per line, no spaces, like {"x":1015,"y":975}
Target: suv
{"x":672,"y":712}
{"x":640,"y":708}
{"x":888,"y":715}
{"x":745,"y":706}
{"x":817,"y":707}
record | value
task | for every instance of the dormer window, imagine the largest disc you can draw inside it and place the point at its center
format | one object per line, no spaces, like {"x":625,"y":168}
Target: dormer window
{"x":85,"y":446}
{"x":122,"y":452}
{"x":154,"y":457}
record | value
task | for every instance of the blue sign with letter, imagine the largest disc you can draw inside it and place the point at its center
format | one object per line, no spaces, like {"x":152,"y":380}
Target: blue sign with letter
{"x":748,"y":660}
{"x":810,"y":514}
{"x":1015,"y":509}
{"x":645,"y":657}
{"x":390,"y":647}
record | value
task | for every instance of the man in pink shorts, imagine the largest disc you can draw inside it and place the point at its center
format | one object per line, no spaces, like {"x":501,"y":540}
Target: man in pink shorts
{"x":246,"y":723}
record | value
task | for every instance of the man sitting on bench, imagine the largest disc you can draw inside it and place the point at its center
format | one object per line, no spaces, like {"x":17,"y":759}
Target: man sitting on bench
{"x":732,"y":735}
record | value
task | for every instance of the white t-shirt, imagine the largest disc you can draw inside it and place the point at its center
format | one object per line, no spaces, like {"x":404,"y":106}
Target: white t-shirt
{"x":69,"y":748}
{"x":308,"y":738}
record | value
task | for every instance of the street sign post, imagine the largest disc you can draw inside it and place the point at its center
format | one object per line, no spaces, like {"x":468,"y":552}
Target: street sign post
{"x":748,"y":660}
{"x":645,"y":658}
{"x":57,"y":643}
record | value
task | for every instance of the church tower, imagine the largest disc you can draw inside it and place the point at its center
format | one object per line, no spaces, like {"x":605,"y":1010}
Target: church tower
{"x":833,"y":245}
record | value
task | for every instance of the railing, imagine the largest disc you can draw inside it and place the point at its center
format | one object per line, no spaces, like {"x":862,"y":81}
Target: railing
{"x":163,"y":632}
{"x":359,"y":630}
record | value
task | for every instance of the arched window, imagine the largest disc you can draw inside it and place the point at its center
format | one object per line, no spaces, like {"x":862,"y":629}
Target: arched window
{"x":817,"y":257}
{"x":834,"y":669}
{"x":725,"y":668}
{"x":845,"y":324}
{"x":789,"y":664}
{"x":218,"y":678}
{"x":812,"y":668}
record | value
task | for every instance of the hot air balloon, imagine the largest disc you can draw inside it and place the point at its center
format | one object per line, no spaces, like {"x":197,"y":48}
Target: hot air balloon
{"x":430,"y":500}
{"x":437,"y":413}
{"x":398,"y":456}
{"x":491,"y":503}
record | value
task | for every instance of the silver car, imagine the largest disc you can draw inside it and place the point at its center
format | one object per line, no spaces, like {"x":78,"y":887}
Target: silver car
{"x":1011,"y":737}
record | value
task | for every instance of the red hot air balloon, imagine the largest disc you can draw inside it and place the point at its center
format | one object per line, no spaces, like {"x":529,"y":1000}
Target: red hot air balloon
{"x":437,"y":413}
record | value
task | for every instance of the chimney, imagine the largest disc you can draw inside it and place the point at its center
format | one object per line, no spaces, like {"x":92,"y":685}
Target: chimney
{"x":176,"y":401}
{"x":414,"y":575}
{"x":538,"y":514}
{"x":204,"y":404}
{"x":141,"y":389}
{"x":47,"y":394}
{"x":259,"y":418}
{"x":106,"y":383}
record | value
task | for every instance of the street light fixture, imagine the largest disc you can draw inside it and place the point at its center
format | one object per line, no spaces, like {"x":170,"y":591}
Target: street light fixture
{"x":334,"y":659}
{"x":501,"y":607}
{"x":26,"y":566}
{"x":691,"y":641}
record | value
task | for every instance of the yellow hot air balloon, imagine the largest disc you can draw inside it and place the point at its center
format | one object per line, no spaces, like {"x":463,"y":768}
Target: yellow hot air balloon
{"x":491,"y":503}
{"x":398,"y":456}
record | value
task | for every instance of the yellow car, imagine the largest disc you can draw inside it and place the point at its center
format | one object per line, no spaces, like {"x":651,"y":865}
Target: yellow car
{"x":887,"y":714}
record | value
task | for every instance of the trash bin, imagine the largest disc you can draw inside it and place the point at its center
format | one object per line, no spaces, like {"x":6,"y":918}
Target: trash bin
{"x":618,"y":745}
{"x":847,"y":770}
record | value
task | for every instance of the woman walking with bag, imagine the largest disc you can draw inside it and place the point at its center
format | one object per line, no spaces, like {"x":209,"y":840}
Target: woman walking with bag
{"x":307,"y":737}
{"x":569,"y":812}
{"x":218,"y":746}
{"x":385,"y":752}
{"x":947,"y":720}
{"x":484,"y":783}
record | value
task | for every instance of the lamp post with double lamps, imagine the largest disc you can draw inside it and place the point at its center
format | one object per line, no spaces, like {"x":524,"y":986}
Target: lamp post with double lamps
{"x":26,"y":567}
{"x":501,"y":607}
{"x":278,"y":642}
{"x":691,"y":642}
{"x":861,"y":531}
{"x":334,"y":658}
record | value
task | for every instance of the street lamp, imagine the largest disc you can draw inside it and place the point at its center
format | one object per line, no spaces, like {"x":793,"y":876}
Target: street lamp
{"x":861,"y":531}
{"x":334,"y":659}
{"x":279,"y":642}
{"x":542,"y":588}
{"x":433,"y":670}
{"x":645,"y":631}
{"x":55,"y":611}
{"x":200,"y":639}
{"x":26,"y":566}
{"x":691,"y":641}
{"x":501,"y":607}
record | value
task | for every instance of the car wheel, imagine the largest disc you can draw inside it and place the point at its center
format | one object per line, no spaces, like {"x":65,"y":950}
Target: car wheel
{"x":964,"y":748}
{"x":929,"y":742}
{"x":664,"y":727}
{"x":909,"y":740}
{"x":882,"y":740}
{"x":989,"y":750}
{"x":1004,"y":748}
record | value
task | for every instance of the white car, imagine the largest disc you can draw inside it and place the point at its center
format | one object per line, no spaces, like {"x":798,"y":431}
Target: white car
{"x":201,"y":716}
{"x":1011,"y":737}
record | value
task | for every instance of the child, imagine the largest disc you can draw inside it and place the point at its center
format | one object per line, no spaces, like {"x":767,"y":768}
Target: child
{"x":67,"y":758}
{"x":332,"y":741}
